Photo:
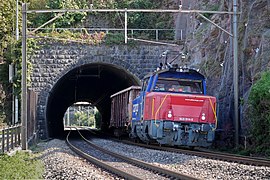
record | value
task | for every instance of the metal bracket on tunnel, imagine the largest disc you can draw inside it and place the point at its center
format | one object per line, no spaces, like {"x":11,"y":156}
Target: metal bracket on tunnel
{"x":89,"y":75}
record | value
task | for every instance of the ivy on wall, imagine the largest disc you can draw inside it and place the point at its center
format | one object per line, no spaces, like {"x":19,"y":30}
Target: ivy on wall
{"x":7,"y":42}
{"x":10,"y":53}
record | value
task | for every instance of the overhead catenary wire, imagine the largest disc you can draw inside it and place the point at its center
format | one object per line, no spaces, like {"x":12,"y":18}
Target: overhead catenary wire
{"x":129,"y":10}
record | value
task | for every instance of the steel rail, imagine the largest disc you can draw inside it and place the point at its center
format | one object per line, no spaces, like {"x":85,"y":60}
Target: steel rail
{"x":208,"y":154}
{"x":140,"y":163}
{"x":201,"y":153}
{"x":100,"y":163}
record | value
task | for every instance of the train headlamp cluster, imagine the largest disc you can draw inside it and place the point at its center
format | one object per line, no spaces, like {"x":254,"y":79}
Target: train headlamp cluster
{"x":169,"y":114}
{"x":203,"y":116}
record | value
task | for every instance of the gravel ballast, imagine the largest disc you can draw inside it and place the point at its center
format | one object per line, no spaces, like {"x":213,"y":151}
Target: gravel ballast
{"x":198,"y":167}
{"x":61,"y":163}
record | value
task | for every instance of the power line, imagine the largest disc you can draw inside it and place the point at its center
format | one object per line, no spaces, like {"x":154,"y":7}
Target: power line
{"x":129,"y":10}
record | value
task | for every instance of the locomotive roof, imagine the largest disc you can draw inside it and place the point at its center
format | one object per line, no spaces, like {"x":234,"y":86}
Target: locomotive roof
{"x":185,"y":72}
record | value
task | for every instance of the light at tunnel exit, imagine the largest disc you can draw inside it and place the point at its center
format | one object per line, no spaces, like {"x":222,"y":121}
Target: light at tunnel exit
{"x":92,"y":83}
{"x":82,"y":114}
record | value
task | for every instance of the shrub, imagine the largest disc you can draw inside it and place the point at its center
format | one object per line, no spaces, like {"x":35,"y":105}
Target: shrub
{"x":259,"y":101}
{"x":20,"y":166}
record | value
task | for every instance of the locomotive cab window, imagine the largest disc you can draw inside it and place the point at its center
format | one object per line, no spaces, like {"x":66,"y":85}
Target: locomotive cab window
{"x":179,"y":85}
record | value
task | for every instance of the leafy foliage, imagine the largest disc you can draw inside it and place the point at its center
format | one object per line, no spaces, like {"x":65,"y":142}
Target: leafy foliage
{"x":10,"y":53}
{"x":81,"y":37}
{"x":141,"y":20}
{"x":98,"y":119}
{"x":83,"y":119}
{"x":7,"y":55}
{"x":20,"y":166}
{"x":82,"y":116}
{"x":66,"y":20}
{"x":137,"y":20}
{"x":116,"y":38}
{"x":7,"y":12}
{"x":259,"y":101}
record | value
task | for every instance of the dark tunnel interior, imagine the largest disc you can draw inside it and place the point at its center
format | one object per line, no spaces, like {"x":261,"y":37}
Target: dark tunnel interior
{"x":93,"y":83}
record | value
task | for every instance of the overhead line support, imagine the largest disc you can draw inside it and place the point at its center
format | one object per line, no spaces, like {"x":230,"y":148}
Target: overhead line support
{"x":51,"y":20}
{"x":235,"y":73}
{"x":215,"y":24}
{"x":126,"y":33}
{"x":24,"y":79}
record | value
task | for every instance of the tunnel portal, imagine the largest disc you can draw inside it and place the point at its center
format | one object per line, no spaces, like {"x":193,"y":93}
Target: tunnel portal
{"x":93,"y":83}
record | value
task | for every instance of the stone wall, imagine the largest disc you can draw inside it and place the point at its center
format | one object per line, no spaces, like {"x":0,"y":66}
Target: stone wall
{"x":54,"y":60}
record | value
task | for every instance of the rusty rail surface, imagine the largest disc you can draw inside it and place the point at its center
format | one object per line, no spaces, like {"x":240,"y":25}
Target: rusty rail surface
{"x":207,"y":154}
{"x":165,"y":172}
{"x":97,"y":162}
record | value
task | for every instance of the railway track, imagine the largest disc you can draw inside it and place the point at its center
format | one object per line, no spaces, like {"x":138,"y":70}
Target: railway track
{"x":122,"y":166}
{"x":206,"y":154}
{"x":201,"y":153}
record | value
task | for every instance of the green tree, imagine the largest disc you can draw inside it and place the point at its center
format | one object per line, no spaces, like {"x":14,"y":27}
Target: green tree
{"x":10,"y":53}
{"x":7,"y":24}
{"x":7,"y":42}
{"x":98,"y":119}
{"x":84,"y":118}
{"x":141,"y":20}
{"x":69,"y":19}
{"x":36,"y":20}
{"x":259,"y":101}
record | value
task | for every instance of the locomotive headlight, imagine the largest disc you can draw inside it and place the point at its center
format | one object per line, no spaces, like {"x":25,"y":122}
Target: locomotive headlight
{"x":203,"y":116}
{"x":169,"y":114}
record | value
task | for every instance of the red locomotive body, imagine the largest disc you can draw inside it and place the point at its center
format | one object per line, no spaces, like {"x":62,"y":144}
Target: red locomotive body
{"x":179,"y":107}
{"x":172,"y":108}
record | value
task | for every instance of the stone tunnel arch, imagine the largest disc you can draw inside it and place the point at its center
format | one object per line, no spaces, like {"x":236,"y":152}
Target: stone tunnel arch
{"x":56,"y":62}
{"x":92,"y":82}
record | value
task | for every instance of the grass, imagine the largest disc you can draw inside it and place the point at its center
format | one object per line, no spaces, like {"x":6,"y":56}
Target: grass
{"x":250,"y":151}
{"x":22,"y":165}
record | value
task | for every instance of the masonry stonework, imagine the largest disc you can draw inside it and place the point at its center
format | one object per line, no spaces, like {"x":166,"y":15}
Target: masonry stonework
{"x":53,"y":60}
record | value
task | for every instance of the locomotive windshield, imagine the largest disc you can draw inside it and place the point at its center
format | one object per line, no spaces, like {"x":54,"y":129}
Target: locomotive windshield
{"x":179,"y":85}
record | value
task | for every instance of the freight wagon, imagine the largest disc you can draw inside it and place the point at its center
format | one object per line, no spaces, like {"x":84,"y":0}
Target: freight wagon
{"x":121,"y":109}
{"x":172,"y":108}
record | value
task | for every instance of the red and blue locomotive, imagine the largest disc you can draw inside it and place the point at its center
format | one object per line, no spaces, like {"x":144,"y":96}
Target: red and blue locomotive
{"x":173,"y":109}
